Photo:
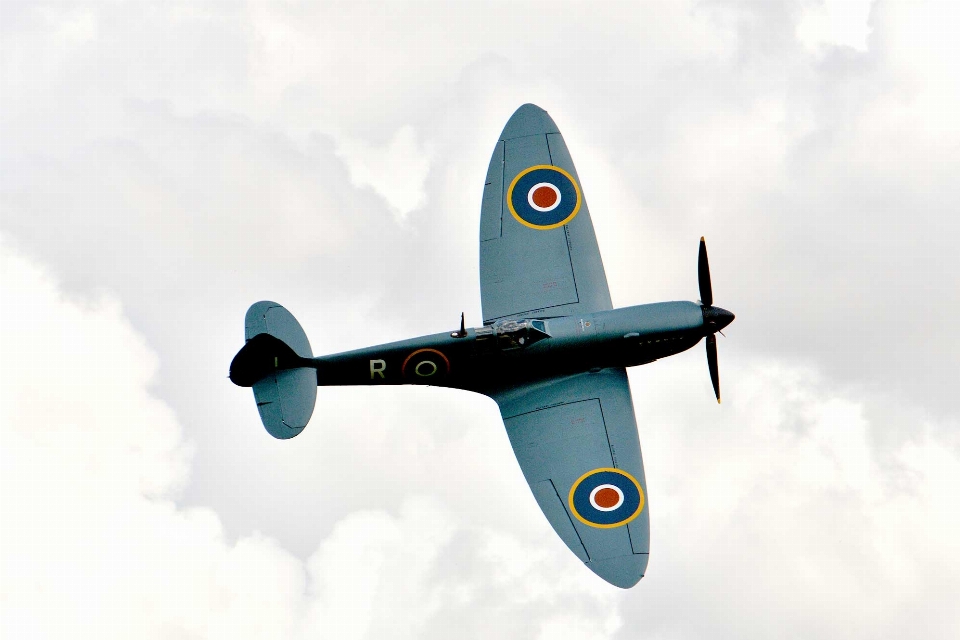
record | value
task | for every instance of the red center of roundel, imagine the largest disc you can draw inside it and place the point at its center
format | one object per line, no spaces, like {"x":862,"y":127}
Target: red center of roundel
{"x":544,"y":197}
{"x":606,"y":498}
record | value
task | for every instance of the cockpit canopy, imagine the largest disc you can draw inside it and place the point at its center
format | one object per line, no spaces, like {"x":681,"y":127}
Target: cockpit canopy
{"x":512,"y":334}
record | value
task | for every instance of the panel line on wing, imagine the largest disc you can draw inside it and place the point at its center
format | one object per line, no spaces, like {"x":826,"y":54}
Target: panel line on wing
{"x":559,"y":404}
{"x":530,"y":313}
{"x":573,"y":272}
{"x":606,"y":432}
{"x":503,"y":170}
{"x":630,"y":537}
{"x":566,"y":511}
{"x":566,"y":232}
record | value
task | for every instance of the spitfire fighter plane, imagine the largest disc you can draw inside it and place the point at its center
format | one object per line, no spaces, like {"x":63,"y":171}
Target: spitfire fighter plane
{"x":552,"y":352}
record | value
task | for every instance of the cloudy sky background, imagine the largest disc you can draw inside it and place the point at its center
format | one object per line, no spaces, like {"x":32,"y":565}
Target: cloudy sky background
{"x":164,"y":165}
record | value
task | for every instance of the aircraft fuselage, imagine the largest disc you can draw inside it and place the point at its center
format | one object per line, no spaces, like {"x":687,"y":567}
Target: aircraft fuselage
{"x":497,"y":355}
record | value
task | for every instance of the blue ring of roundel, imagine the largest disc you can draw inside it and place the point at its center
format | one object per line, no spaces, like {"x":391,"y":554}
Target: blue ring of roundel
{"x":569,"y":197}
{"x":625,"y":512}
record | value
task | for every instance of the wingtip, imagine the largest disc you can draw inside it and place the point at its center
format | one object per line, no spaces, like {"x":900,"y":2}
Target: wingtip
{"x":529,"y":119}
{"x":702,"y":239}
{"x":622,"y":571}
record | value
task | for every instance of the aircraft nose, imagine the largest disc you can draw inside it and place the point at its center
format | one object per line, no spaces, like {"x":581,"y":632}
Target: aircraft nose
{"x":716,"y":319}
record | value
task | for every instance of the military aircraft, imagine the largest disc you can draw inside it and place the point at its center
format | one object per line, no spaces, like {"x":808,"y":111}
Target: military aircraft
{"x":552,"y":352}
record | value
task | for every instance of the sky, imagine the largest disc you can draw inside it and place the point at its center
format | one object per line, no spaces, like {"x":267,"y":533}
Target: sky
{"x":163,"y":165}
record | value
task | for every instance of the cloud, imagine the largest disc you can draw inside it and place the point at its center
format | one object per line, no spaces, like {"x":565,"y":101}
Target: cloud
{"x":779,"y":513}
{"x":96,"y":545}
{"x":396,"y":170}
{"x":837,"y":23}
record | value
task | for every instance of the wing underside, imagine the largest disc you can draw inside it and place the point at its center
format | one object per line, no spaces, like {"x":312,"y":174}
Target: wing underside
{"x":537,"y":258}
{"x":576,"y":441}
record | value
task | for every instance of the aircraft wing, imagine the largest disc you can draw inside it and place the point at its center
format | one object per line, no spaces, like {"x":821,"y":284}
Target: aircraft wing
{"x":538,"y":252}
{"x":576,"y":440}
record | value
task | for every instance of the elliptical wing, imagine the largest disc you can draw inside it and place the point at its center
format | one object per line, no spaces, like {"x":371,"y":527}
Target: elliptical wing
{"x":576,"y":440}
{"x":538,"y":251}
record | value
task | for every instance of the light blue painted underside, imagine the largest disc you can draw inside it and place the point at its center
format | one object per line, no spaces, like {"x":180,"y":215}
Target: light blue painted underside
{"x":565,"y":427}
{"x":559,"y":428}
{"x":535,"y":272}
{"x":285,"y":399}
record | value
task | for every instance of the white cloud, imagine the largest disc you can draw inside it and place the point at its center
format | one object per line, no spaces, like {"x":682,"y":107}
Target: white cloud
{"x":773,"y":515}
{"x":396,"y":170}
{"x":94,"y":545}
{"x":836,"y":23}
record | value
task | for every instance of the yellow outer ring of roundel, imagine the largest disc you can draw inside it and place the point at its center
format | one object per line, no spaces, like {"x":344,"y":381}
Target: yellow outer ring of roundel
{"x":576,"y":208}
{"x":573,"y":509}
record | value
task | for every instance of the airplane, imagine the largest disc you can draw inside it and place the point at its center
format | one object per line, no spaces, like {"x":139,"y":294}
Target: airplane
{"x":552,"y":352}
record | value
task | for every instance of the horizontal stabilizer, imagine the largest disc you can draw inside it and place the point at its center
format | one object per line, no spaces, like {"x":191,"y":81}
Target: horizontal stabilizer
{"x":275,"y":362}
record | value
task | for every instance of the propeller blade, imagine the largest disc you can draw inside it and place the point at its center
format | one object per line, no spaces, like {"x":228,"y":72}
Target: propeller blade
{"x":712,"y":363}
{"x":703,"y":273}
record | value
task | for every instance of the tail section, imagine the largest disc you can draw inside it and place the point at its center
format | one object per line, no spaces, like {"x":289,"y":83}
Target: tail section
{"x":275,"y":361}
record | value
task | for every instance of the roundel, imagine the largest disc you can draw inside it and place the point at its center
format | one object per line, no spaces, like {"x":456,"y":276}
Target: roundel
{"x":544,"y":197}
{"x":426,"y":365}
{"x":606,"y":498}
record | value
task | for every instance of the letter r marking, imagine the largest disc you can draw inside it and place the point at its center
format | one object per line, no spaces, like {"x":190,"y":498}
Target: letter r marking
{"x":376,"y":368}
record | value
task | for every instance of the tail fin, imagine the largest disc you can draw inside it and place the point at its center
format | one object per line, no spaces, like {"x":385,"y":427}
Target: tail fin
{"x":275,"y":361}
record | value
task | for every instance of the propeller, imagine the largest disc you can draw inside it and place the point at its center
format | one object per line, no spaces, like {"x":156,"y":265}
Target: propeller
{"x":714,"y":318}
{"x":703,"y":275}
{"x":712,"y":363}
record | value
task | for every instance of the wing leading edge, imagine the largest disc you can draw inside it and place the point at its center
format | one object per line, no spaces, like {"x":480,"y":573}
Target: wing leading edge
{"x":538,"y":251}
{"x":576,"y":441}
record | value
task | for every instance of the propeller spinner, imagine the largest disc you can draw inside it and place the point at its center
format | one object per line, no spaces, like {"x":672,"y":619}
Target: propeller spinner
{"x":714,"y":318}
